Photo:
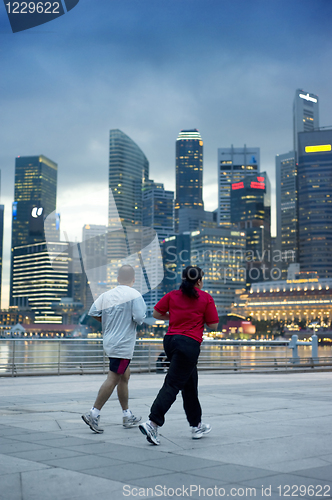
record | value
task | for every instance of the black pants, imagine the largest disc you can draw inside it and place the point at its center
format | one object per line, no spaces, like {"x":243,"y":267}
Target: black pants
{"x":182,"y":376}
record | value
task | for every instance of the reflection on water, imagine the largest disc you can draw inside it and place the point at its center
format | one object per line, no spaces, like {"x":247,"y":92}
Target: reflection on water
{"x":23,"y":356}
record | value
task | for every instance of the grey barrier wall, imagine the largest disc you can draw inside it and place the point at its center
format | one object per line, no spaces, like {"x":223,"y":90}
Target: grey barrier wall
{"x":19,"y":356}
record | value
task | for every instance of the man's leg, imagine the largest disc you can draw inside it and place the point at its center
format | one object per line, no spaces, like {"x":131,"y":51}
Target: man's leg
{"x":106,"y":389}
{"x":122,"y":389}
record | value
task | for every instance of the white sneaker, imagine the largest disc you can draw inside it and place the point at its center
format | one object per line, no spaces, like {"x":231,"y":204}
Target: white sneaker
{"x":150,"y":432}
{"x":200,"y":431}
{"x":92,"y":422}
{"x":128,"y":422}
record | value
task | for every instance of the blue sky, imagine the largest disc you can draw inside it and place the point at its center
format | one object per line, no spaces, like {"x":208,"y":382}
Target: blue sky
{"x":152,"y":68}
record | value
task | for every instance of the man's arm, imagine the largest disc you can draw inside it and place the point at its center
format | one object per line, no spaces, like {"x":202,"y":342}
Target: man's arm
{"x":139,"y":310}
{"x":98,"y":318}
{"x":158,"y":315}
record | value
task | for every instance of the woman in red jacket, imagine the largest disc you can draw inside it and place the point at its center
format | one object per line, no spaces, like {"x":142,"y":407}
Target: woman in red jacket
{"x":187,"y":310}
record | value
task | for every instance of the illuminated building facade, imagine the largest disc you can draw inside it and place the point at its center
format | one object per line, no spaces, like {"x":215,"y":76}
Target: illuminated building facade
{"x":251,"y":212}
{"x":220,"y":253}
{"x":37,"y":284}
{"x":302,"y":299}
{"x":234,"y":164}
{"x":34,"y":199}
{"x":305,"y":114}
{"x":287,"y":210}
{"x":315,"y":201}
{"x":188,"y":172}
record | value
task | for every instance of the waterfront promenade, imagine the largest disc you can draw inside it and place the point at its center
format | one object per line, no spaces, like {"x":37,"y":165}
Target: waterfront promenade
{"x":270,"y":431}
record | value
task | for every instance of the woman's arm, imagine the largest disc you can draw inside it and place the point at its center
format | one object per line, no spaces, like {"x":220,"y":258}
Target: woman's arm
{"x":213,"y":326}
{"x":158,"y":315}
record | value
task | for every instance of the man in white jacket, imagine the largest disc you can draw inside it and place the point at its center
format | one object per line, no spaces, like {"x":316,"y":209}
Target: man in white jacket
{"x":119,"y":310}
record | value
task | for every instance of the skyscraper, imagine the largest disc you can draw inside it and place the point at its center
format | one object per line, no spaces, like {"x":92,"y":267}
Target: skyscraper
{"x":315,"y":201}
{"x":158,"y":209}
{"x":287,"y":213}
{"x":34,"y":199}
{"x":234,"y":164}
{"x":128,"y":169}
{"x":305,"y":114}
{"x":251,"y":211}
{"x":188,"y":172}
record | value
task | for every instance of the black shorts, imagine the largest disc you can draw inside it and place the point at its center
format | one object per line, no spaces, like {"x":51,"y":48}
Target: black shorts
{"x":119,"y":365}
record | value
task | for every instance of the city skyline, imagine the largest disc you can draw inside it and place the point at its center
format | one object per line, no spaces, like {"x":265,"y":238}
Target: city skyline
{"x":145,"y":78}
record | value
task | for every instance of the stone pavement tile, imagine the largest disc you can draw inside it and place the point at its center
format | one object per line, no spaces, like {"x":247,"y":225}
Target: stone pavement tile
{"x":10,"y":464}
{"x":179,"y":463}
{"x":6,"y":431}
{"x":18,"y":446}
{"x":31,"y":437}
{"x":266,"y":451}
{"x":177,"y":480}
{"x":324,"y":473}
{"x":297,"y":465}
{"x":60,"y":484}
{"x":42,"y":425}
{"x":45,"y":454}
{"x":134,"y":453}
{"x":126,"y":473}
{"x":99,"y":448}
{"x":289,"y":485}
{"x":10,"y":487}
{"x":231,"y":472}
{"x":65,"y":441}
{"x":83,"y":462}
{"x":327,"y":458}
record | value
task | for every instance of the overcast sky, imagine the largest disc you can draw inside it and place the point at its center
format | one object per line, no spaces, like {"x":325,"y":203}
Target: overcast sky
{"x":152,"y":68}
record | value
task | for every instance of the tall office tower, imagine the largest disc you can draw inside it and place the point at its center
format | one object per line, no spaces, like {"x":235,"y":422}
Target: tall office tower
{"x":34,"y":199}
{"x":188,"y":172}
{"x":128,"y":169}
{"x":287,"y":213}
{"x":2,"y":209}
{"x":158,"y":209}
{"x":315,"y":201}
{"x":251,"y":211}
{"x":234,"y":164}
{"x":305,"y":114}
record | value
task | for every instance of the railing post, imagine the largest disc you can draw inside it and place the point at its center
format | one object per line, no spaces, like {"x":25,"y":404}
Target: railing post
{"x":13,"y":360}
{"x":59,"y":355}
{"x":314,"y":348}
{"x":293,"y":345}
{"x":149,"y":362}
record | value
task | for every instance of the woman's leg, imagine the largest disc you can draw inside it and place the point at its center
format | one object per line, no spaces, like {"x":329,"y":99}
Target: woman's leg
{"x":183,"y":353}
{"x":191,"y":402}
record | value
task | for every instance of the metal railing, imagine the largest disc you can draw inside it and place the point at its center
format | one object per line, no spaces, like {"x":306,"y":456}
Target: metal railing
{"x":19,"y":356}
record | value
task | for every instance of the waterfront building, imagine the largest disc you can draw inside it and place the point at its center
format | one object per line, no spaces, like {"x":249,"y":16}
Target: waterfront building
{"x":234,"y":164}
{"x":305,"y":114}
{"x":94,"y":257}
{"x":188,"y":172}
{"x":251,"y":212}
{"x":315,"y":201}
{"x":34,"y":200}
{"x":190,"y":219}
{"x":304,"y":298}
{"x":287,"y":209}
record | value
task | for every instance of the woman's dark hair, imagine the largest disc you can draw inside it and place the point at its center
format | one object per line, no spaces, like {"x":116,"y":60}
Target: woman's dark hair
{"x":190,"y":276}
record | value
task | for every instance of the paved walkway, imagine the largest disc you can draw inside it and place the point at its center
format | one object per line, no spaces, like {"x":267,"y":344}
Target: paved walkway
{"x":270,"y":431}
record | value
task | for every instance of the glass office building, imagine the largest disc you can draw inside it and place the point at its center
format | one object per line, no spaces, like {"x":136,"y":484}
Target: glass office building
{"x":315,"y":201}
{"x":2,"y":209}
{"x":188,"y":172}
{"x":128,"y":169}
